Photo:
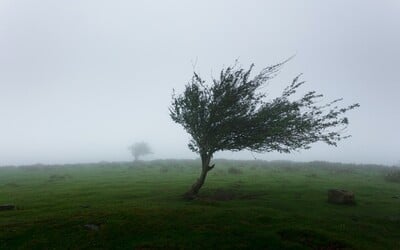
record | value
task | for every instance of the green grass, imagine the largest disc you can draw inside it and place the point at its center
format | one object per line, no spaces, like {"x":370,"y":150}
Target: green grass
{"x":275,"y":205}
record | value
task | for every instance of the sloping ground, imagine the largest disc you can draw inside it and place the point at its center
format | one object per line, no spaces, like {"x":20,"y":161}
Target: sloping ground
{"x":265,"y":205}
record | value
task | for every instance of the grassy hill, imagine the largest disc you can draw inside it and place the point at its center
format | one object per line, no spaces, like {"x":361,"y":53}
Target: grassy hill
{"x":243,"y":205}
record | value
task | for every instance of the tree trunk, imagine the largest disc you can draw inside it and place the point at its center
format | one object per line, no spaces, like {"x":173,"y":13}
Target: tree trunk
{"x":205,"y":167}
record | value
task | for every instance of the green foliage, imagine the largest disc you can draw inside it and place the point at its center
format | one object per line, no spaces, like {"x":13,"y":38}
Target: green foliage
{"x":232,"y":114}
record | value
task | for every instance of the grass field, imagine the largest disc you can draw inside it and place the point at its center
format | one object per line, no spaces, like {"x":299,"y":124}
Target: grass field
{"x":243,"y":205}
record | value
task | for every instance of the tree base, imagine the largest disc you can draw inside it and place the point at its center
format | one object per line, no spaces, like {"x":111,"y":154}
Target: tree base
{"x":189,"y":196}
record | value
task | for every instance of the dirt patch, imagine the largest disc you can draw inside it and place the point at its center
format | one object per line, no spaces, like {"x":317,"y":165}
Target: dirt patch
{"x":224,"y":195}
{"x":11,"y":184}
{"x":342,"y":170}
{"x":237,"y":184}
{"x":57,"y":177}
{"x":92,"y":227}
{"x":233,"y":170}
{"x":289,"y":168}
{"x":227,"y":194}
{"x":164,"y":169}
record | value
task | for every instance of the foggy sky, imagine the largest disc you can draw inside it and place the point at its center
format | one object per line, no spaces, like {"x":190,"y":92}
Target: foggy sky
{"x":82,"y":80}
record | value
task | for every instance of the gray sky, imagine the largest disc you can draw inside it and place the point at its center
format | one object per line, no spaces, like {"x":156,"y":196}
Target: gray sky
{"x":81,"y":80}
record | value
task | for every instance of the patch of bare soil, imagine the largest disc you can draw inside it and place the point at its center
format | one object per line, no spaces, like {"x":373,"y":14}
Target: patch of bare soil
{"x":11,"y":184}
{"x":227,"y":194}
{"x":57,"y":177}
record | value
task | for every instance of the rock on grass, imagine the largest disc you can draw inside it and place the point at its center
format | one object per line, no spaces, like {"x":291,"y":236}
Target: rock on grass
{"x":338,"y":196}
{"x":5,"y":207}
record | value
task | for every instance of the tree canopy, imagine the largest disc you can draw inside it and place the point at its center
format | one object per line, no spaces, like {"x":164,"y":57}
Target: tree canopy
{"x":139,"y":149}
{"x":232,"y":113}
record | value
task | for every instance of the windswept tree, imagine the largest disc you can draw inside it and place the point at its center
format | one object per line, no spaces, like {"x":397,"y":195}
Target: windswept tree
{"x":232,"y":113}
{"x":139,"y":149}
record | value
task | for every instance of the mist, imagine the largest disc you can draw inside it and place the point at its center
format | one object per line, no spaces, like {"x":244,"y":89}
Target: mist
{"x":80,"y":81}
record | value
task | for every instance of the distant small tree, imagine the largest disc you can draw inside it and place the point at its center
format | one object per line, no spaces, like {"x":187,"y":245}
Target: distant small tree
{"x":232,"y":114}
{"x":139,"y":149}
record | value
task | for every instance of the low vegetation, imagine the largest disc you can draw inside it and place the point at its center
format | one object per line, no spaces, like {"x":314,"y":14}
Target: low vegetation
{"x":270,"y":205}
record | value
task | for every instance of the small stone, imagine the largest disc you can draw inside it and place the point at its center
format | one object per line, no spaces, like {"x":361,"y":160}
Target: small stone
{"x":6,"y":207}
{"x":338,"y":196}
{"x":92,"y":227}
